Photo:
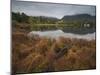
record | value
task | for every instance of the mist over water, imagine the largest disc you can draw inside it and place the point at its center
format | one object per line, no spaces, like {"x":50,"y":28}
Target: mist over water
{"x":55,"y":34}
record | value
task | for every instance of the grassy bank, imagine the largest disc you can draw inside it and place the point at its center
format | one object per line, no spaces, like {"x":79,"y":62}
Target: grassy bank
{"x":38,"y":55}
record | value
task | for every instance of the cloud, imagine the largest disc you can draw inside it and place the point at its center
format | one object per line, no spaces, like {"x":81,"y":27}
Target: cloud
{"x":53,"y":10}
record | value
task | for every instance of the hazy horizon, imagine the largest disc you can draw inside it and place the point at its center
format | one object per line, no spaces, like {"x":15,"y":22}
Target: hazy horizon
{"x":51,"y":9}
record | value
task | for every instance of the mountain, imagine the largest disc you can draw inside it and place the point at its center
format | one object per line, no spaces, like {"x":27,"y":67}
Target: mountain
{"x":79,"y":17}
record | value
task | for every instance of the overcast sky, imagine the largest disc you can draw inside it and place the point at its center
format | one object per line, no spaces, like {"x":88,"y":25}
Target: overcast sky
{"x":52,"y":10}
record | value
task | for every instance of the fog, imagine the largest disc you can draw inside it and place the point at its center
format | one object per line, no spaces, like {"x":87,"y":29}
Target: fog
{"x":55,"y":34}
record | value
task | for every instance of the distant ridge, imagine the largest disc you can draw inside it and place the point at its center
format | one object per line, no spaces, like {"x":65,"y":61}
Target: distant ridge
{"x":79,"y":17}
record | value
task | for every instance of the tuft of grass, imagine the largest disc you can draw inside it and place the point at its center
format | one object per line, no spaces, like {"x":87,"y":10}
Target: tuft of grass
{"x":39,"y":55}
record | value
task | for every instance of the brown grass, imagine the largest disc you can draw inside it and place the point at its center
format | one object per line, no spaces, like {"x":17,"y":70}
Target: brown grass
{"x":39,"y":55}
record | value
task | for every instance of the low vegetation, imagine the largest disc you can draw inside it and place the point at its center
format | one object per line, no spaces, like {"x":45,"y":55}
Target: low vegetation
{"x":47,"y":55}
{"x":38,"y":55}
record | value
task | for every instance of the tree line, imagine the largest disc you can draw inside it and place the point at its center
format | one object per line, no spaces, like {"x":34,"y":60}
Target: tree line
{"x":73,"y":20}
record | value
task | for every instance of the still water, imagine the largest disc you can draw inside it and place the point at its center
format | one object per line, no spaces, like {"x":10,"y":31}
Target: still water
{"x":75,"y":33}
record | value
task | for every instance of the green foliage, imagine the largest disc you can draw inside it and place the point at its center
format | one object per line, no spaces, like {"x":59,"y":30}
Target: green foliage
{"x":50,"y":23}
{"x":20,"y":17}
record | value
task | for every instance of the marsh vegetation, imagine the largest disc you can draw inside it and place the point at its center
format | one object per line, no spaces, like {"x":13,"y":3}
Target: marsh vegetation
{"x":41,"y":54}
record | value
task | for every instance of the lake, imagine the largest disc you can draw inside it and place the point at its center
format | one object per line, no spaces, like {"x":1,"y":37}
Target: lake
{"x":87,"y":34}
